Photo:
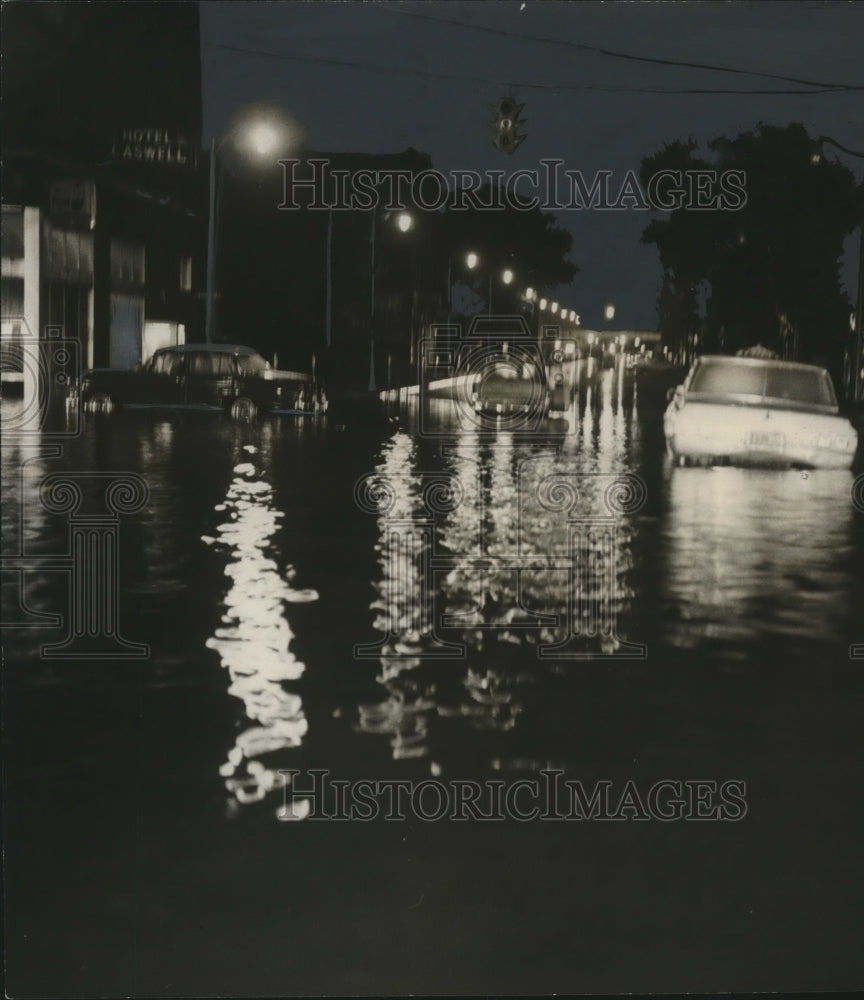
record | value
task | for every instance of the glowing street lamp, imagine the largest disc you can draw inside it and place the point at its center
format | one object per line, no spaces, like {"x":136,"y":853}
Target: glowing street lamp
{"x":263,"y":138}
{"x":507,"y":277}
{"x":543,"y":304}
{"x":530,"y":294}
{"x":554,"y":308}
{"x":471,"y":261}
{"x":405,"y":221}
{"x":262,"y":133}
{"x":609,"y":311}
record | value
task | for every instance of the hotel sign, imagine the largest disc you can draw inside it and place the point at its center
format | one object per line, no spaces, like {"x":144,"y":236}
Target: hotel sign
{"x":155,"y":146}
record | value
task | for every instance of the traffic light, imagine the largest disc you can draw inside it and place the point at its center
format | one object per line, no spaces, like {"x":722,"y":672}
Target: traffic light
{"x":506,"y":125}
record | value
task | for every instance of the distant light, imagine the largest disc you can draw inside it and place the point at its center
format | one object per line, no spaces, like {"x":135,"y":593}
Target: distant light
{"x":554,"y":307}
{"x":543,"y":303}
{"x":507,"y":277}
{"x":637,"y":341}
{"x":263,"y":138}
{"x":472,"y":260}
{"x":530,"y":294}
{"x":405,"y":221}
{"x":609,"y":312}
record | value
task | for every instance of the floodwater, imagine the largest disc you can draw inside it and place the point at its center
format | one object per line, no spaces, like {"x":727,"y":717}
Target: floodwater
{"x":424,"y":599}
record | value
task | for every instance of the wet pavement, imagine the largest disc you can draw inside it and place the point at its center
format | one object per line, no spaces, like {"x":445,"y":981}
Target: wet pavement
{"x":425,"y":600}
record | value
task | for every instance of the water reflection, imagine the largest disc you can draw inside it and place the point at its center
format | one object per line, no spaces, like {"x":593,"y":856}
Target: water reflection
{"x":491,"y":546}
{"x":255,"y":637}
{"x":758,"y":554}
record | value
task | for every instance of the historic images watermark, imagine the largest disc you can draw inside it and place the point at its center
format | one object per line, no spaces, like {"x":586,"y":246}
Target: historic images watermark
{"x":547,"y":797}
{"x":314,"y":184}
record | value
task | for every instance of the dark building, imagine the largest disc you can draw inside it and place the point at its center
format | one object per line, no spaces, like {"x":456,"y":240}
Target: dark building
{"x":104,"y":199}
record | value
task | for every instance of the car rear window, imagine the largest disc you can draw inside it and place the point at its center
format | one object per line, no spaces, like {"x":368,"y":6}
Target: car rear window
{"x":796,"y":385}
{"x":717,"y":379}
{"x":799,"y":385}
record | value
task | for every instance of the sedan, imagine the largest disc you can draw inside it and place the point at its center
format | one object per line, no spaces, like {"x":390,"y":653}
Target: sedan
{"x":226,"y":377}
{"x":749,"y":411}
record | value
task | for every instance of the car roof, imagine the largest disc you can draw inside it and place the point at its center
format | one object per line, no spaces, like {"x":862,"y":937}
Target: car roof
{"x":760,"y":362}
{"x":210,"y":348}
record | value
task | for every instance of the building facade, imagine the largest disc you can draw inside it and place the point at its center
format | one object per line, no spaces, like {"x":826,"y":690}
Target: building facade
{"x":104,"y":202}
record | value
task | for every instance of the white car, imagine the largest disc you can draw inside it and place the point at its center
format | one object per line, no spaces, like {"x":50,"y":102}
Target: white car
{"x":749,"y":411}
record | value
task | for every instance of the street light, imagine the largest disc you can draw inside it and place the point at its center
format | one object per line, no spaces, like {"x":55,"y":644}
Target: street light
{"x":543,"y":304}
{"x":530,"y":294}
{"x":609,"y":311}
{"x":472,"y":260}
{"x":554,"y":308}
{"x":262,"y":131}
{"x":263,"y":138}
{"x":404,"y":223}
{"x":507,"y":277}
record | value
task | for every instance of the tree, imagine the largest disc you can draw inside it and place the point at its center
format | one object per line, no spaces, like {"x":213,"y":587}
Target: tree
{"x":525,"y":240}
{"x":773,"y":265}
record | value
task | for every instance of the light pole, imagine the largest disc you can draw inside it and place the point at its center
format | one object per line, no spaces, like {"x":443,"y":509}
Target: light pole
{"x":404,"y":222}
{"x":263,"y":134}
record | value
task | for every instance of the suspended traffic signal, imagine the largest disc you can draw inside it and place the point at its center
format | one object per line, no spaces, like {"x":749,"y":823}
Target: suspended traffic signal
{"x":506,"y":125}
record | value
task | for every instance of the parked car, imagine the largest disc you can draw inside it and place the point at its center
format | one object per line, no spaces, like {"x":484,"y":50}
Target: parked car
{"x":749,"y":411}
{"x":226,"y":377}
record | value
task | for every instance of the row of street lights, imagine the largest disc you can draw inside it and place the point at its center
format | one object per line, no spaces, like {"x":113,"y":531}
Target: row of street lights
{"x":265,"y":132}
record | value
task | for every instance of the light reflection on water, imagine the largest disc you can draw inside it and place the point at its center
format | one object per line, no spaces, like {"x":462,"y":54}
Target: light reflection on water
{"x":724,"y":566}
{"x":255,"y":637}
{"x":758,"y":554}
{"x":466,"y":598}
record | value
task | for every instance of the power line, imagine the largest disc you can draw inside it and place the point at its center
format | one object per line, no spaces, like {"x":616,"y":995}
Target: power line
{"x":432,"y":75}
{"x":612,"y":53}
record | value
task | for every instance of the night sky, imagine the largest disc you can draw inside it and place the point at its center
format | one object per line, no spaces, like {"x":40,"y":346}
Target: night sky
{"x":380,"y":77}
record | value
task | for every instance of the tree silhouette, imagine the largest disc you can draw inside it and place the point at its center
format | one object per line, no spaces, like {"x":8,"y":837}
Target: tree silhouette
{"x":772,"y":267}
{"x":523,"y":239}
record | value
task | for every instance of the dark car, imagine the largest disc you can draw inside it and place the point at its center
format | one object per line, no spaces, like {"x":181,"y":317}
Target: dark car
{"x":226,"y":377}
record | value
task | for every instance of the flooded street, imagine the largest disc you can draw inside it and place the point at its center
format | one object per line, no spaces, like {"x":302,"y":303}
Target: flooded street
{"x":405,"y":603}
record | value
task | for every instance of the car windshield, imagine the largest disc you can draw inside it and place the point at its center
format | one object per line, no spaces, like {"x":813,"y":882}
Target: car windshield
{"x":801,"y":386}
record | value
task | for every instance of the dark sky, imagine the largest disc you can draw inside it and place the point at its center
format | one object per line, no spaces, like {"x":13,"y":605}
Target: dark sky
{"x":379,"y":77}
